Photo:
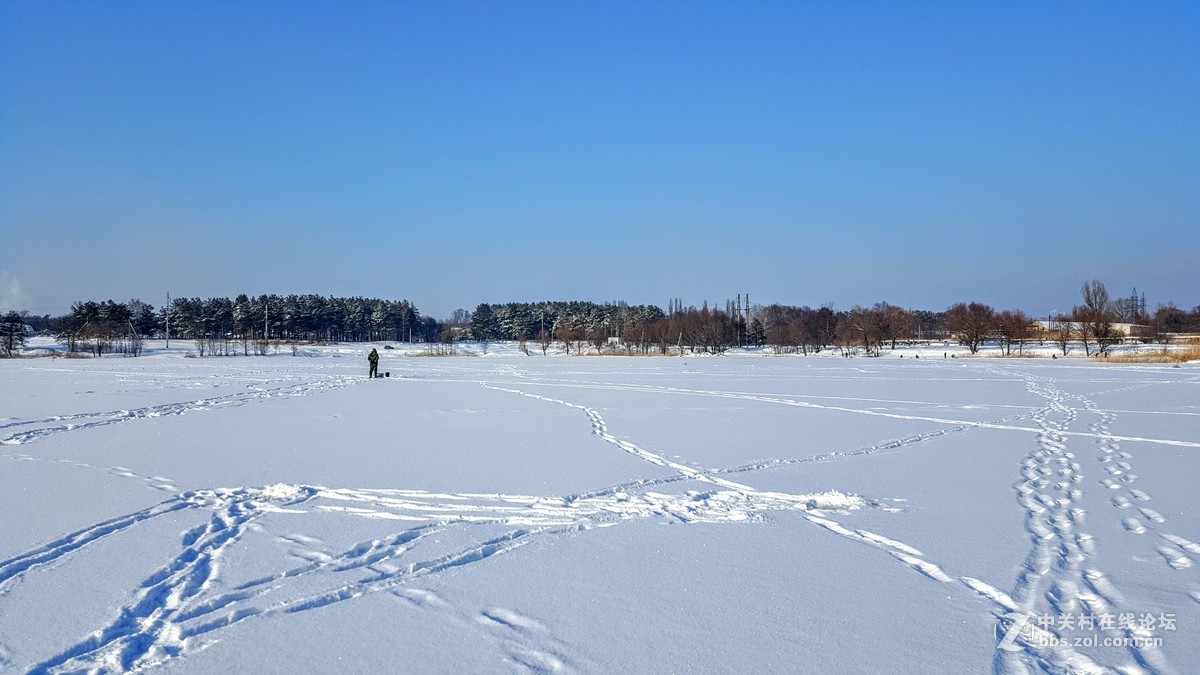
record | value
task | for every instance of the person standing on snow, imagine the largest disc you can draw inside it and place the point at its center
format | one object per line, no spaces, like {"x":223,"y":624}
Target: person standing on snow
{"x":373,"y":359}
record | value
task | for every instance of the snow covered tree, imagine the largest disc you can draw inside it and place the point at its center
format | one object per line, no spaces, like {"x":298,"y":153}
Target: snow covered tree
{"x":98,"y":325}
{"x":142,"y":316}
{"x":484,"y":325}
{"x":12,"y":333}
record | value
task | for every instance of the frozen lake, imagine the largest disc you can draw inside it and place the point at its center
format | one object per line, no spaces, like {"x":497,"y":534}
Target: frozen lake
{"x":598,"y":514}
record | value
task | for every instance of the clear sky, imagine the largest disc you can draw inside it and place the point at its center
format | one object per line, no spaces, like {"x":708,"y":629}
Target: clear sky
{"x":451,"y":153}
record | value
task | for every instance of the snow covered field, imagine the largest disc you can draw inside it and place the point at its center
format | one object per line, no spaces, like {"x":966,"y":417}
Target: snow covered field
{"x":512,"y":513}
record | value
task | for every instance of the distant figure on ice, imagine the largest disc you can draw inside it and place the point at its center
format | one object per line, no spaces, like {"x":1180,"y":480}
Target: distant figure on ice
{"x":373,"y":359}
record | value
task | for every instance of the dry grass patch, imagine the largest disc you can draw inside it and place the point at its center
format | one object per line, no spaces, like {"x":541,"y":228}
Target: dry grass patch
{"x":1165,"y":355}
{"x":637,"y":354}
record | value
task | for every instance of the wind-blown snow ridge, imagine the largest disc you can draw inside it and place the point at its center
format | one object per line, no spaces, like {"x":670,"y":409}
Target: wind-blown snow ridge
{"x":693,"y":507}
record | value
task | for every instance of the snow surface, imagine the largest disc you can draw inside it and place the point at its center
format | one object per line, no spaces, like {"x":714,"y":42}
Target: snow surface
{"x":503,"y":512}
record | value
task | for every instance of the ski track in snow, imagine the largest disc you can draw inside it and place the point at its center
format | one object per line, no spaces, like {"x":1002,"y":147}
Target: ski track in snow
{"x":181,"y":609}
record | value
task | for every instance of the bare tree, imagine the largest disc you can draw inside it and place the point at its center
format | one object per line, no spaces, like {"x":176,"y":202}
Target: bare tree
{"x":970,"y":323}
{"x":845,"y":336}
{"x":1095,"y":299}
{"x":1062,"y":332}
{"x":1012,"y":326}
{"x":565,"y":333}
{"x":893,"y":323}
{"x":795,"y":337}
{"x":1096,"y":317}
{"x":663,"y":333}
{"x":863,"y":324}
{"x":598,"y":337}
{"x":1085,"y":333}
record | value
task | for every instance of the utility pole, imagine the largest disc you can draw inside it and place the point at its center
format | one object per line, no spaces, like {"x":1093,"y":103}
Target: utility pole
{"x":168,"y":315}
{"x":737,"y":322}
{"x":266,"y":320}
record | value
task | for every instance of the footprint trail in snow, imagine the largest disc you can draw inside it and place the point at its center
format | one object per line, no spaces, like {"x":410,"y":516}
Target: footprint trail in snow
{"x":187,"y":605}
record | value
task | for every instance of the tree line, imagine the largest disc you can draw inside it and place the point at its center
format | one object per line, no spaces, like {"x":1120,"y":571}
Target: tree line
{"x":223,"y":325}
{"x":808,"y":330}
{"x":220,"y":325}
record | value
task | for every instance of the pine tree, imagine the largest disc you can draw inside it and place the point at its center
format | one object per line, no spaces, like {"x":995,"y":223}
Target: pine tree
{"x":758,"y":334}
{"x":484,"y":325}
{"x":12,"y":333}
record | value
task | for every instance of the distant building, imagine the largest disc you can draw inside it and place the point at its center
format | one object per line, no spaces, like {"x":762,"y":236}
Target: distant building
{"x":1134,"y":330}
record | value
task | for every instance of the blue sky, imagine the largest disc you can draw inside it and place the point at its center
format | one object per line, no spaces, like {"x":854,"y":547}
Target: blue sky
{"x":455,"y":153}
